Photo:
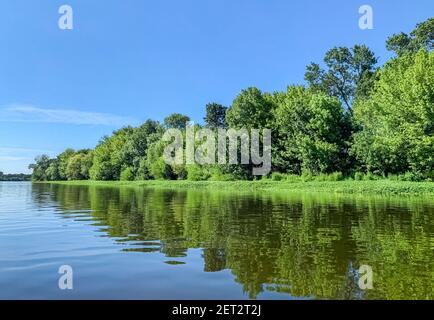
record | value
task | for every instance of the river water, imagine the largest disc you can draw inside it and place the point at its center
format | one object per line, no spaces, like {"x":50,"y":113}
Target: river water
{"x":138,"y":243}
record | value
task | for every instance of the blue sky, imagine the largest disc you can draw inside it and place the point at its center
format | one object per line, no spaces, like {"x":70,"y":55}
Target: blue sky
{"x":129,"y":60}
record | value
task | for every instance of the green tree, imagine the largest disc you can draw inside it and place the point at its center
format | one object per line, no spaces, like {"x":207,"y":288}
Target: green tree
{"x":422,"y":37}
{"x":79,"y":165}
{"x":215,"y":115}
{"x":39,"y":168}
{"x":52,"y":171}
{"x":109,"y":155}
{"x":349,"y":73}
{"x":397,"y":123}
{"x":86,"y":164}
{"x":143,"y":171}
{"x":176,"y":121}
{"x":155,"y":163}
{"x":250,"y":109}
{"x":127,"y":174}
{"x":135,"y":148}
{"x":62,"y":162}
{"x":309,"y":132}
{"x":73,"y":169}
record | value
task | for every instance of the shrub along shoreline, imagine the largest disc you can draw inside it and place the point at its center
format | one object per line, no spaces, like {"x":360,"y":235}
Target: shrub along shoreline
{"x":373,"y":187}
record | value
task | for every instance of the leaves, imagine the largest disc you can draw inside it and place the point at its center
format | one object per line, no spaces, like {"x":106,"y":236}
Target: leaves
{"x":397,"y":122}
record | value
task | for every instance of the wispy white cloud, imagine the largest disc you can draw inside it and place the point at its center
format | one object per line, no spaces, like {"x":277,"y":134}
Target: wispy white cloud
{"x":11,"y":158}
{"x":20,"y":154}
{"x":30,"y":113}
{"x":7,"y":150}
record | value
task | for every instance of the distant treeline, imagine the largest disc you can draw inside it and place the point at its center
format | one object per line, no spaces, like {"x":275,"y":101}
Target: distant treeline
{"x":353,"y":117}
{"x":15,"y":177}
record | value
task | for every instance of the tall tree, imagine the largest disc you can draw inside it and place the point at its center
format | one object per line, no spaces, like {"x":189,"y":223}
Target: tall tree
{"x":309,"y":132}
{"x":215,"y":115}
{"x":348,"y":74}
{"x":250,"y":109}
{"x":79,"y":165}
{"x":422,"y":37}
{"x":108,"y":157}
{"x":62,"y":161}
{"x":397,"y":123}
{"x":39,"y":168}
{"x":176,"y":121}
{"x":135,"y":148}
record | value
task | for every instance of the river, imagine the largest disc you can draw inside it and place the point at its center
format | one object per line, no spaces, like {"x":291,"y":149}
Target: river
{"x":139,"y":243}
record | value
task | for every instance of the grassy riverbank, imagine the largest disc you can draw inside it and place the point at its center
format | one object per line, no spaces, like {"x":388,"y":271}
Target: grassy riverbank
{"x":383,"y":187}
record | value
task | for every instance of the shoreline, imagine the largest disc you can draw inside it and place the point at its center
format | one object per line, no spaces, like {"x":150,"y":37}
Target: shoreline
{"x":375,"y":187}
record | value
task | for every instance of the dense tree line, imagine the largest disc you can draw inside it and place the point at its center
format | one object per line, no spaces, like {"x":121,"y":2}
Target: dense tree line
{"x":352,"y":116}
{"x":15,"y":177}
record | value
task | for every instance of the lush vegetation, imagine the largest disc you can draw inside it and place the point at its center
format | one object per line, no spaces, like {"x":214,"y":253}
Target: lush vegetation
{"x":15,"y":177}
{"x":352,"y":119}
{"x":320,"y":183}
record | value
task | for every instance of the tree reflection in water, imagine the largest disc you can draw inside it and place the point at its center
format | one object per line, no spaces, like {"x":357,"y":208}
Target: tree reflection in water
{"x":307,"y":245}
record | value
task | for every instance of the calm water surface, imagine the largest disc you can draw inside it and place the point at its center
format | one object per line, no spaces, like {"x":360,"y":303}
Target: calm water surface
{"x":136,"y":243}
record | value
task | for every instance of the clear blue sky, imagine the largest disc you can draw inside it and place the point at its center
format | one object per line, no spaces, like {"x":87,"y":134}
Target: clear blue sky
{"x":129,"y":60}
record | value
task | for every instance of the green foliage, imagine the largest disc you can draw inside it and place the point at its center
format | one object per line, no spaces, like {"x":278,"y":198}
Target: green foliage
{"x":15,"y":177}
{"x":52,"y":172}
{"x":40,"y":167}
{"x":176,"y":121}
{"x":377,"y":186}
{"x":250,"y":109}
{"x":127,"y":174}
{"x":79,"y":165}
{"x":160,"y":170}
{"x":397,"y":123}
{"x":215,"y":115}
{"x":309,"y":132}
{"x":358,"y":176}
{"x":143,"y":171}
{"x":306,"y":176}
{"x":136,"y":146}
{"x":335,"y":176}
{"x":198,"y":173}
{"x":62,"y":163}
{"x":349,"y":73}
{"x":277,"y":176}
{"x":155,"y":163}
{"x":73,"y":169}
{"x":420,"y":38}
{"x":218,"y":175}
{"x":109,"y":155}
